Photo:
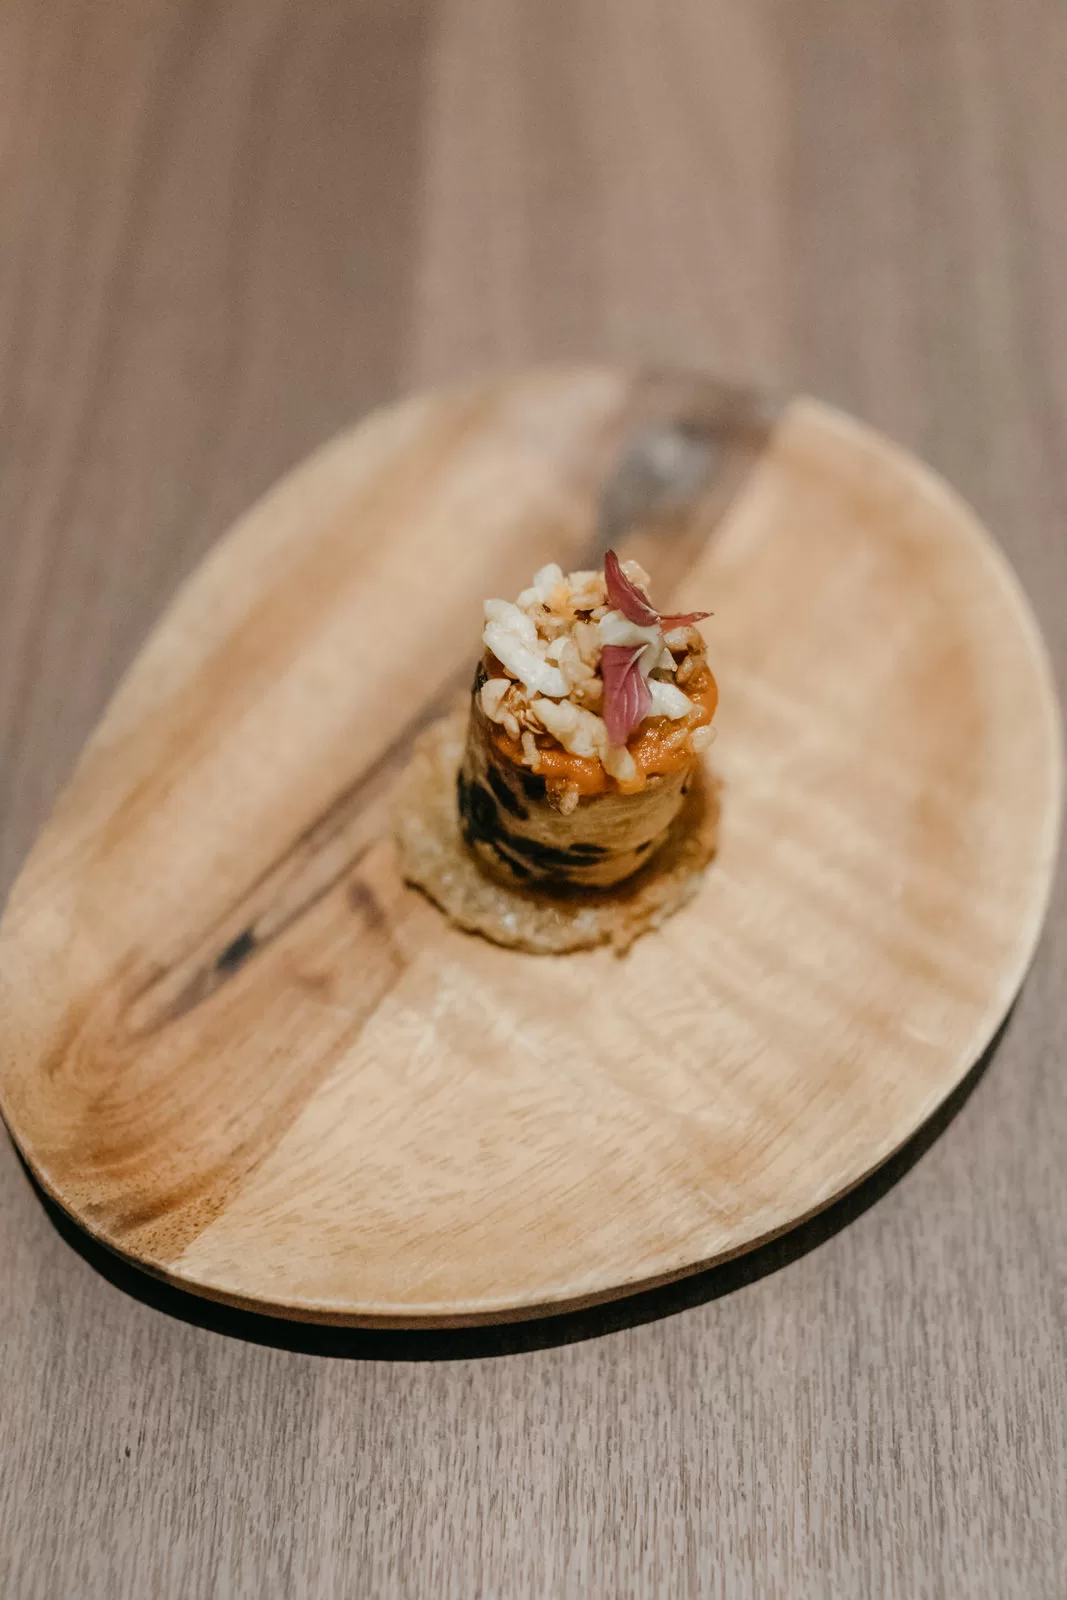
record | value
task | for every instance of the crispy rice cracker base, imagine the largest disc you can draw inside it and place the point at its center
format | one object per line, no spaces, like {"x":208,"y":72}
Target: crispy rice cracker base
{"x":434,"y":857}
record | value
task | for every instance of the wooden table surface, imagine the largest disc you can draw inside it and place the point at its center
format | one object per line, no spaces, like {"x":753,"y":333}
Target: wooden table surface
{"x":226,"y":229}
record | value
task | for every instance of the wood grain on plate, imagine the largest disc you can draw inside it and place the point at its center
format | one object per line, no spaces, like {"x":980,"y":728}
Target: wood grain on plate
{"x":242,"y":1053}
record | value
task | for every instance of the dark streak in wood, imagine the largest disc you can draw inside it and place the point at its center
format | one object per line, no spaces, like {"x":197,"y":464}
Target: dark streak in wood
{"x":236,"y":953}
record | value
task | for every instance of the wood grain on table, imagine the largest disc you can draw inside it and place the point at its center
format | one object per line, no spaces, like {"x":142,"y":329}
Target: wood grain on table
{"x":226,"y":230}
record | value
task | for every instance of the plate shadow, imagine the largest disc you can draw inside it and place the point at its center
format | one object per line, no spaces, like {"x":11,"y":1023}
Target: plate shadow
{"x":503,"y":1339}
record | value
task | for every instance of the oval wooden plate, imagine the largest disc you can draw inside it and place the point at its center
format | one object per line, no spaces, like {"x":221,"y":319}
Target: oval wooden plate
{"x":241,"y":1053}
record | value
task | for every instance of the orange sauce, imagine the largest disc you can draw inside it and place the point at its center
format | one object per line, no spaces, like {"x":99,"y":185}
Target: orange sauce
{"x":661,"y":746}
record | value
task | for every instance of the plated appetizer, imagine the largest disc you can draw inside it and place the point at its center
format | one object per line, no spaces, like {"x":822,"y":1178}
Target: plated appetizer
{"x":574,"y":812}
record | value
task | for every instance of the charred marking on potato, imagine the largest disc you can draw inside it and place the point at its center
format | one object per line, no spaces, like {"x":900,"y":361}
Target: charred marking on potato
{"x":518,"y":868}
{"x":481,"y":819}
{"x":484,"y":825}
{"x":504,"y":794}
{"x":551,"y":856}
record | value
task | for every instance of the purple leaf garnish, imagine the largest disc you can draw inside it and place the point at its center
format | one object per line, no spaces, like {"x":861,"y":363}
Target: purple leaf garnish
{"x":627,"y":697}
{"x":682,"y":620}
{"x":635,"y":605}
{"x":626,"y":596}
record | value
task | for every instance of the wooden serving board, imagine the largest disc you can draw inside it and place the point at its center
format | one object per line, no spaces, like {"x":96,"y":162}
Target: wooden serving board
{"x":241,"y":1053}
